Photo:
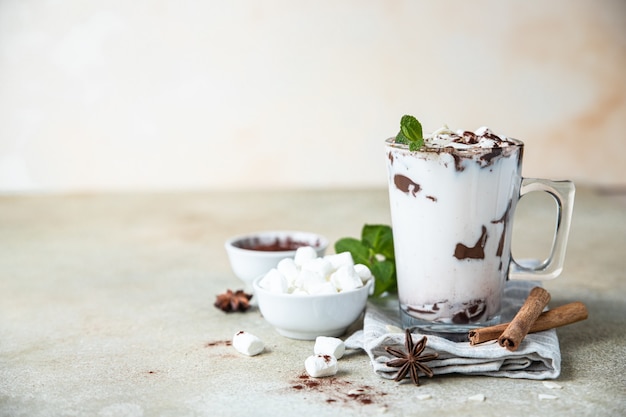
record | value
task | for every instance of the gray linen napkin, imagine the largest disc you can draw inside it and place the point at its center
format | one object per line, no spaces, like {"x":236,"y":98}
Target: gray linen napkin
{"x":538,"y":356}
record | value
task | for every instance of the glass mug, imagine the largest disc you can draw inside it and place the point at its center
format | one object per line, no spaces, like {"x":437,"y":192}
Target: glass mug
{"x":451,"y":215}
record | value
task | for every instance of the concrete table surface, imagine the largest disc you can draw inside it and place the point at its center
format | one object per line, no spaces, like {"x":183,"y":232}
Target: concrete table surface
{"x":106,"y":309}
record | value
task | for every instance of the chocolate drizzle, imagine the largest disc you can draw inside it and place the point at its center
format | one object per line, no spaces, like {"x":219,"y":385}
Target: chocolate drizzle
{"x":482,"y":146}
{"x":463,"y":313}
{"x":406,"y":185}
{"x":426,"y":308}
{"x":488,"y":157}
{"x":475,"y":252}
{"x":458,"y":162}
{"x":469,"y":138}
{"x":504,"y":220}
{"x":473,"y":311}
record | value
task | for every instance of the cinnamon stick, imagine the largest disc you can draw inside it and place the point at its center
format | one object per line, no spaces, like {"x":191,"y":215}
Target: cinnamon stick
{"x":518,"y":328}
{"x":557,"y":317}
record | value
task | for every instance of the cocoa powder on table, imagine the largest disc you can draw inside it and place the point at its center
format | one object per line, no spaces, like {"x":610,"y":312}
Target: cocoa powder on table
{"x":337,"y":390}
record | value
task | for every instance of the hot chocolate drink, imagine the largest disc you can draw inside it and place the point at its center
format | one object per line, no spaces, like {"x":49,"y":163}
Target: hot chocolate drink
{"x":452,"y":203}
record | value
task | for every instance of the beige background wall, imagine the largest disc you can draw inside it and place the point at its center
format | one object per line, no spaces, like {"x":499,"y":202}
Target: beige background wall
{"x":99,"y":95}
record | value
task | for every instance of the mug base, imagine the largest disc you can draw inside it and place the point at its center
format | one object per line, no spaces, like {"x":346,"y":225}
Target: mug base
{"x":451,"y":331}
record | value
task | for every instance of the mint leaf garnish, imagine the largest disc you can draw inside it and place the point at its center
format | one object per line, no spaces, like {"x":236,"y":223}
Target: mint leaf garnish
{"x":374,"y":250}
{"x":379,"y":238}
{"x":385,"y":273}
{"x":359,"y":251}
{"x":410,"y":133}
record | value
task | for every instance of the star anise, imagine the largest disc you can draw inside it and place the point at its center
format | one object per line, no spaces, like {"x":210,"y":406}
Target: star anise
{"x":233,"y":301}
{"x":411,"y":362}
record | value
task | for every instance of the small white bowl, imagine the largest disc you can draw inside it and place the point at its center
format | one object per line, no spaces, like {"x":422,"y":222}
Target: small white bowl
{"x":248,"y":262}
{"x":304,"y":317}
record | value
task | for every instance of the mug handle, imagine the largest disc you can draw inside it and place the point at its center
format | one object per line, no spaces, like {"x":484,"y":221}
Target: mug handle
{"x":563,"y":193}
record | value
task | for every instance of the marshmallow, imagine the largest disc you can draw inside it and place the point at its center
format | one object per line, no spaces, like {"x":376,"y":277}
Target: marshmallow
{"x":319,"y":265}
{"x":477,"y":398}
{"x":275,"y":282}
{"x":329,"y":346}
{"x":309,"y":280}
{"x":481,"y":131}
{"x":303,"y":254}
{"x":323,"y":288}
{"x":345,"y":278}
{"x":340,"y":259}
{"x":319,"y":366}
{"x":308,"y":274}
{"x":247,"y":343}
{"x":289,"y":269}
{"x":487,"y":143}
{"x":363,"y":272}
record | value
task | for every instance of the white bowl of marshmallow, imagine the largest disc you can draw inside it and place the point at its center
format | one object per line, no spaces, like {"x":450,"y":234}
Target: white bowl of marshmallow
{"x":309,"y":295}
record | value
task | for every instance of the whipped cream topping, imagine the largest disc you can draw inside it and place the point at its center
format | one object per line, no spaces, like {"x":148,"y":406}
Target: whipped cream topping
{"x":482,"y":137}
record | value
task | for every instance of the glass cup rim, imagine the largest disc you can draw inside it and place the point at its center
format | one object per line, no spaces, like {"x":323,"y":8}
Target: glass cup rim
{"x":515,"y":144}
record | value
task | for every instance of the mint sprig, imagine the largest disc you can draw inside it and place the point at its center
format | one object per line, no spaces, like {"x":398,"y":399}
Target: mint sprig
{"x":410,"y":133}
{"x":374,"y":250}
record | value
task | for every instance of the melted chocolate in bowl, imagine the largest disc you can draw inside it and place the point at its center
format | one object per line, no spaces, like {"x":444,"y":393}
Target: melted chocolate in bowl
{"x":273,"y":244}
